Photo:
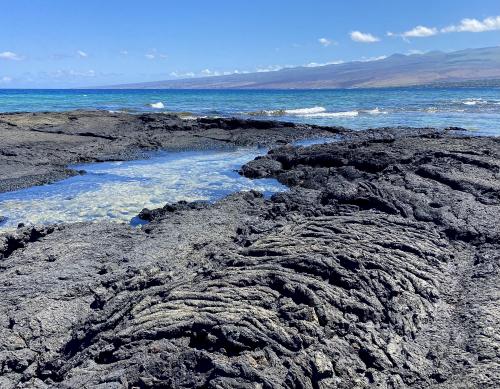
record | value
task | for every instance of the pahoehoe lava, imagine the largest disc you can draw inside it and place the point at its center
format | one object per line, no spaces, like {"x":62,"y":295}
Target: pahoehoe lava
{"x":378,"y":268}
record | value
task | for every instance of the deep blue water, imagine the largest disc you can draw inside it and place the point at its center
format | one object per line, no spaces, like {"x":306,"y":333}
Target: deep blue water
{"x":476,"y":109}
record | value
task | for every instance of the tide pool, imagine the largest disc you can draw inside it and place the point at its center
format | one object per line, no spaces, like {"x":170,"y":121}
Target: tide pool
{"x":118,"y":191}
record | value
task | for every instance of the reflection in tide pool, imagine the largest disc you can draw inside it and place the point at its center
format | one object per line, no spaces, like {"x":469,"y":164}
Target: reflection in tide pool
{"x":119,"y":190}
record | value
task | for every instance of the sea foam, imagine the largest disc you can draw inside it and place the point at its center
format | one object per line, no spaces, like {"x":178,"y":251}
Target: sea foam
{"x":375,"y":111}
{"x":305,"y":111}
{"x":474,"y":102}
{"x":158,"y":105}
{"x":332,"y":114}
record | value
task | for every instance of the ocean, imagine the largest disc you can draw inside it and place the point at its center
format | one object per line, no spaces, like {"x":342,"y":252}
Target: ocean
{"x":476,"y":109}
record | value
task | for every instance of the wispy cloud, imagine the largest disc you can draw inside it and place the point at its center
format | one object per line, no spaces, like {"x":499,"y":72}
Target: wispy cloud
{"x":474,"y":25}
{"x":316,"y":64}
{"x":210,"y":73}
{"x":270,"y":68}
{"x":372,"y":59}
{"x":183,"y":75}
{"x":358,"y":36}
{"x":466,"y":25}
{"x":417,"y":32}
{"x":261,"y":69}
{"x":154,"y":54}
{"x":5,"y":80}
{"x":11,"y":56}
{"x":82,"y":54}
{"x":325,"y":42}
{"x":124,"y":52}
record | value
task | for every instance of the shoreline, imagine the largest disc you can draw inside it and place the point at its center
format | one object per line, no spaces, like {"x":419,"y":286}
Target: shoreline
{"x":36,"y":148}
{"x":379,"y":267}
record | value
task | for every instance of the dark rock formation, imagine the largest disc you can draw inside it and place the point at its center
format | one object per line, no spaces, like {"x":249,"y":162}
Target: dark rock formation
{"x":36,"y":148}
{"x":379,"y":268}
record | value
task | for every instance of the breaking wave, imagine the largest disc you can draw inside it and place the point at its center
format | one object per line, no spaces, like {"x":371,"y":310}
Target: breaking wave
{"x":305,"y":111}
{"x":332,"y":114}
{"x":375,"y":111}
{"x":474,"y":102}
{"x":158,"y":105}
{"x":316,"y":112}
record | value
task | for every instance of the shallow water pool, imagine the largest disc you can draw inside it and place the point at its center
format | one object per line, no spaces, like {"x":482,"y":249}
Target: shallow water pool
{"x":118,"y":191}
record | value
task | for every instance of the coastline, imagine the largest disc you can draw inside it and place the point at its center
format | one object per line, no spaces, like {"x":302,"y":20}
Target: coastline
{"x":36,"y":148}
{"x":379,"y":267}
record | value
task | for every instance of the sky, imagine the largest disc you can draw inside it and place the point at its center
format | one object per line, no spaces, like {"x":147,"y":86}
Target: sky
{"x":69,"y":43}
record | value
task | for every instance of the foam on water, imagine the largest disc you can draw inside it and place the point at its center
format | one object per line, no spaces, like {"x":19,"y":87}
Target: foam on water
{"x":332,"y":114}
{"x":305,"y":111}
{"x":118,"y":191}
{"x":158,"y":105}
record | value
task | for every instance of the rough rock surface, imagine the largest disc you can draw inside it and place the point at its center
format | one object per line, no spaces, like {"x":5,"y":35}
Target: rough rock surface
{"x":36,"y":148}
{"x":379,"y":268}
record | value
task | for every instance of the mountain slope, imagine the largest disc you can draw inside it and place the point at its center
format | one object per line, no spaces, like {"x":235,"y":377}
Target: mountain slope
{"x":396,"y":70}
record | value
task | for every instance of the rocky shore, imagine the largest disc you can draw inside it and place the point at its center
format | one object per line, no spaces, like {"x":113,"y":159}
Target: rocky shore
{"x":36,"y":148}
{"x":380,"y":267}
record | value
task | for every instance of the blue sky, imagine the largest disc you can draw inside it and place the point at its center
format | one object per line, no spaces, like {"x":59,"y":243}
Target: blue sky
{"x":65,"y":43}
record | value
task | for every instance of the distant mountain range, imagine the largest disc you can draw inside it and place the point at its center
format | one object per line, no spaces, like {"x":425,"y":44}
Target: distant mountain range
{"x":456,"y":68}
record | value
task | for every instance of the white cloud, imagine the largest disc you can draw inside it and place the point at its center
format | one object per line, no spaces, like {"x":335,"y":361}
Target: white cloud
{"x":209,"y":73}
{"x":124,"y":52}
{"x":316,"y":64}
{"x":420,"y":32}
{"x":150,"y":56}
{"x":270,"y":68}
{"x":325,"y":42}
{"x":5,"y":80}
{"x":358,"y":36}
{"x":474,"y":25}
{"x":9,"y":55}
{"x":491,"y":23}
{"x":82,"y":54}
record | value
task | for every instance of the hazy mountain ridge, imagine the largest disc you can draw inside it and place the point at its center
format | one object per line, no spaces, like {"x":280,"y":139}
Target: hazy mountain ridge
{"x":397,"y":70}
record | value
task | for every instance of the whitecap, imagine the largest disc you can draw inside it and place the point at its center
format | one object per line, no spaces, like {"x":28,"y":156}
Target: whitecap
{"x":474,"y":102}
{"x":158,"y":105}
{"x":283,"y":112}
{"x":375,"y":111}
{"x":332,"y":114}
{"x":305,"y":111}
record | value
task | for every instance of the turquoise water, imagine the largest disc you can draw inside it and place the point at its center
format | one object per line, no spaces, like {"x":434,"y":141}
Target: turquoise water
{"x":117,"y":191}
{"x":472,"y":108}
